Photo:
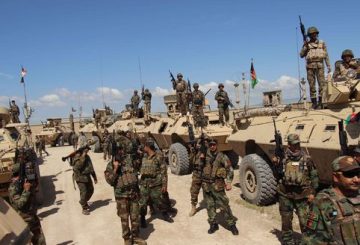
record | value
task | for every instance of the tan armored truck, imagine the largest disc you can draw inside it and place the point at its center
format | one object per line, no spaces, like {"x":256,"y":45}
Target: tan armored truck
{"x":55,"y":133}
{"x":319,"y":132}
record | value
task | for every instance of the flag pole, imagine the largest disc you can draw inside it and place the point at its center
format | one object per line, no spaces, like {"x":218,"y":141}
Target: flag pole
{"x":248,"y":98}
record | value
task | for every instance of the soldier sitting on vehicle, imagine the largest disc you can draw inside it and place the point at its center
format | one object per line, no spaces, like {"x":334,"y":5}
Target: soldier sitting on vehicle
{"x":345,"y":65}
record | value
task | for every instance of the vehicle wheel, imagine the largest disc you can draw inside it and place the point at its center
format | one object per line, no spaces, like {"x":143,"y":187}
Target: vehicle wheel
{"x":234,"y":158}
{"x":257,"y":181}
{"x":178,"y":159}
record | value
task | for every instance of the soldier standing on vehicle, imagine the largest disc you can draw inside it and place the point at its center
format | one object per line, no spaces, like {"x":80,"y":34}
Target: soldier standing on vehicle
{"x":223,"y":101}
{"x":334,"y":217}
{"x":348,"y":62}
{"x":181,"y":89}
{"x":97,"y":118}
{"x":198,"y":103}
{"x":217,"y":175}
{"x":153,"y":182}
{"x":22,"y":198}
{"x":83,"y":169}
{"x":122,"y":175}
{"x":315,"y":53}
{"x":135,"y":101}
{"x":297,"y":186}
{"x":146,"y":97}
{"x":14,"y":112}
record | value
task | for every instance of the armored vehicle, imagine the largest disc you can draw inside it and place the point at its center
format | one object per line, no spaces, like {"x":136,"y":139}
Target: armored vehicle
{"x":56,"y":133}
{"x":324,"y":133}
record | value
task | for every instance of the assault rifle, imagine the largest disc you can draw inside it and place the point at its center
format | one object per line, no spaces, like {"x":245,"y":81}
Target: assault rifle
{"x":172,"y":79}
{"x":343,"y":138}
{"x":228,"y":102}
{"x":207,"y":92}
{"x":80,"y":150}
{"x":302,"y":28}
{"x":279,"y":150}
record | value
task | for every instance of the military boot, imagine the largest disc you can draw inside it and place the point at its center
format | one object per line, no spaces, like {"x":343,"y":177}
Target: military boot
{"x":314,"y":103}
{"x":139,"y":241}
{"x":127,"y":242}
{"x":167,"y":218}
{"x":320,"y":104}
{"x":234,"y":230}
{"x":213,"y":227}
{"x":193,"y":210}
{"x":143,"y":221}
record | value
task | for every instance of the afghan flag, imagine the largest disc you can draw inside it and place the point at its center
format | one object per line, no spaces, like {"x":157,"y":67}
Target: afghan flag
{"x":23,"y":74}
{"x":254,"y":80}
{"x":353,"y":118}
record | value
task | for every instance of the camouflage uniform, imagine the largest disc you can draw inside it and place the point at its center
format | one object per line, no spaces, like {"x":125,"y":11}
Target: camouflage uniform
{"x":299,"y":180}
{"x":315,"y":53}
{"x":97,"y":118}
{"x":216,"y":173}
{"x":198,"y":102}
{"x":335,"y":218}
{"x":14,"y":112}
{"x":342,"y":67}
{"x":83,"y":168}
{"x":146,"y":97}
{"x":126,"y":191}
{"x":135,"y":101}
{"x":181,"y":88}
{"x":107,"y":138}
{"x":196,"y":179}
{"x":24,"y":202}
{"x":221,"y":96}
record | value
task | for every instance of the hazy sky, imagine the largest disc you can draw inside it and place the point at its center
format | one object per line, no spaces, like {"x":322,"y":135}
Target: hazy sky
{"x":72,"y":48}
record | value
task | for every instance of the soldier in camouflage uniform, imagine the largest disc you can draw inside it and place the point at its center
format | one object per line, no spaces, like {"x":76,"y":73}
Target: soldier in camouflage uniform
{"x":217,"y":175}
{"x":146,"y":97}
{"x":198,"y":102}
{"x":107,"y":138}
{"x":334,"y":217}
{"x":315,"y":53}
{"x":122,"y":175}
{"x":296,"y":188}
{"x":14,"y":112}
{"x":97,"y":118}
{"x":348,"y":62}
{"x":222,"y":99}
{"x":83,"y":169}
{"x":22,"y":197}
{"x":135,"y":101}
{"x":153,"y":182}
{"x":181,"y":89}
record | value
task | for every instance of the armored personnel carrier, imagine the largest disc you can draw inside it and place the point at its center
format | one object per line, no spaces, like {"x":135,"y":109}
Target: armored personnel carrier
{"x":319,"y":132}
{"x":55,"y":133}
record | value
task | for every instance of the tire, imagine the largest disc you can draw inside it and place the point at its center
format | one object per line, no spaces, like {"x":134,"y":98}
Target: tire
{"x":257,"y":181}
{"x":234,"y":158}
{"x":179,"y":159}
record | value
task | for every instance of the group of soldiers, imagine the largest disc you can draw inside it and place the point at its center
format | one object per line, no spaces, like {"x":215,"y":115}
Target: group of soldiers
{"x":315,"y":53}
{"x":135,"y":101}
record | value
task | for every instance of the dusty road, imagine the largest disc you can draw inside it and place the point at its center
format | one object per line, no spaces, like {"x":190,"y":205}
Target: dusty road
{"x":63,"y":223}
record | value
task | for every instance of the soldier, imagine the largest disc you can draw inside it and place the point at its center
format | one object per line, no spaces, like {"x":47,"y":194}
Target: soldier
{"x":107,"y":139}
{"x":146,"y":97}
{"x":198,"y":102}
{"x":153,"y":182}
{"x":82,"y":142}
{"x":43,"y":146}
{"x":74,"y":139}
{"x":223,"y":101}
{"x":97,"y":118}
{"x":135,"y":101}
{"x":14,"y":112}
{"x":22,"y":198}
{"x":37,"y":144}
{"x":334,"y":216}
{"x":196,"y":177}
{"x":348,"y":62}
{"x":217,"y":175}
{"x":122,"y":175}
{"x":181,"y":89}
{"x":315,"y":54}
{"x":296,"y":188}
{"x":83,"y":168}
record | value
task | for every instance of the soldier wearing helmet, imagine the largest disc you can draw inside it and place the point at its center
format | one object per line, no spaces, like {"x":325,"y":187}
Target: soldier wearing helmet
{"x":197,"y":109}
{"x":135,"y":101}
{"x":315,"y":53}
{"x":146,"y":97}
{"x":347,"y":63}
{"x":106,"y":145}
{"x":181,"y":88}
{"x":223,"y":100}
{"x":14,"y":112}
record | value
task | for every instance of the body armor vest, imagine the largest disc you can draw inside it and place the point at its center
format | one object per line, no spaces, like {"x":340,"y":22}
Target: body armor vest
{"x":296,"y":172}
{"x":316,"y":52}
{"x":180,"y":86}
{"x":127,"y":174}
{"x":197,"y":98}
{"x":149,"y":167}
{"x":213,"y":168}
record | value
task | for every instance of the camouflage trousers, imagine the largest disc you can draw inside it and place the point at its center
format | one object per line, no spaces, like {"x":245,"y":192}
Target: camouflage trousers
{"x":35,"y":227}
{"x":147,"y":109}
{"x":153,"y":195}
{"x":181,"y":100}
{"x":217,"y":199}
{"x":316,"y":74}
{"x":287,"y":206}
{"x":195,"y":188}
{"x":86,"y":191}
{"x":128,"y":208}
{"x":198,"y":116}
{"x":106,"y":151}
{"x":223,"y":111}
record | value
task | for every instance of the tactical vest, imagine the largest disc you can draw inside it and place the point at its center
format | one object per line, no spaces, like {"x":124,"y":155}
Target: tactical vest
{"x":344,"y":70}
{"x":127,"y":175}
{"x":346,"y":225}
{"x":150,"y":167}
{"x":147,"y":97}
{"x":296,"y":173}
{"x":180,"y":86}
{"x":213,"y":168}
{"x":197,"y":98}
{"x":316,"y":52}
{"x":221,"y":94}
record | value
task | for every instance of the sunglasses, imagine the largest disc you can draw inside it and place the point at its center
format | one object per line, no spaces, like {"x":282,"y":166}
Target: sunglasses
{"x":351,"y":174}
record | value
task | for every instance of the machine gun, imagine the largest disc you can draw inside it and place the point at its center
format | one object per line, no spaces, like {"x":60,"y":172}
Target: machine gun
{"x":172,"y":79}
{"x":72,"y":154}
{"x":279,"y":150}
{"x":343,"y":138}
{"x":302,"y":28}
{"x":228,"y":102}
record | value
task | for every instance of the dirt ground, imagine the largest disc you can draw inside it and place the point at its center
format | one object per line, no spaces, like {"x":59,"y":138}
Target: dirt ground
{"x":63,"y":223}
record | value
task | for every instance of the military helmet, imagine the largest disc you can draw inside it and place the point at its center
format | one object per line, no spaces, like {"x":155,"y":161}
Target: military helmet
{"x":179,"y":75}
{"x":195,"y":85}
{"x":312,"y":30}
{"x":347,"y":52}
{"x":135,"y":91}
{"x":293,"y":139}
{"x":146,"y":90}
{"x":221,"y":85}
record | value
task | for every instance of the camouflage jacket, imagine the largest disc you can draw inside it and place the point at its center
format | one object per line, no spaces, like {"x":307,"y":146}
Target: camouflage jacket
{"x":198,"y":98}
{"x":342,"y":68}
{"x":333,"y":219}
{"x":315,"y":54}
{"x":15,"y":110}
{"x":125,"y":181}
{"x":83,"y":168}
{"x":125,"y":142}
{"x":300,"y":177}
{"x":135,"y":99}
{"x":21,"y":200}
{"x":180,"y":86}
{"x":153,"y":171}
{"x":222,"y":98}
{"x":217,"y":171}
{"x":146,"y":96}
